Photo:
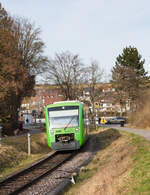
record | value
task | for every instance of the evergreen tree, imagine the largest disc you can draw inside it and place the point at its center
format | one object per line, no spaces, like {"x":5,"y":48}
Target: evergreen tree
{"x":129,"y":76}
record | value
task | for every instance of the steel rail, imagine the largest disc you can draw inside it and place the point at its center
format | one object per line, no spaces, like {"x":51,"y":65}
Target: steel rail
{"x":23,"y":179}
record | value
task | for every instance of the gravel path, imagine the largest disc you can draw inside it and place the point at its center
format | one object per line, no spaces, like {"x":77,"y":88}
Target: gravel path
{"x":142,"y":132}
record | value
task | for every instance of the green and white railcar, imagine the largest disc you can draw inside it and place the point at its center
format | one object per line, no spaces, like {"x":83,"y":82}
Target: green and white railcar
{"x":65,"y":125}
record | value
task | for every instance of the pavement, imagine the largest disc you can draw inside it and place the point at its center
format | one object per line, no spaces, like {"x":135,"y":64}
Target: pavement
{"x":32,"y":128}
{"x":142,"y":132}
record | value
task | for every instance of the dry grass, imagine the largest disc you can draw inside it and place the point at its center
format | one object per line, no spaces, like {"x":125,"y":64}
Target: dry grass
{"x":141,"y":118}
{"x":112,"y":163}
{"x":120,"y":167}
{"x":14,"y":152}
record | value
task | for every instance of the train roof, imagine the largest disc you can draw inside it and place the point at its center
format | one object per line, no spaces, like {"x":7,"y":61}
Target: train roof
{"x":63,"y":103}
{"x":68,"y":101}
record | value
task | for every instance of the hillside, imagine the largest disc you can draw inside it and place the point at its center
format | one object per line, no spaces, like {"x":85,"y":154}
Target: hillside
{"x":119,"y":168}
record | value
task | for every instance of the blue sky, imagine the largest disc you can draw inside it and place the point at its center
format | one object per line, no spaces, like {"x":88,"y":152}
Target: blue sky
{"x":94,"y":29}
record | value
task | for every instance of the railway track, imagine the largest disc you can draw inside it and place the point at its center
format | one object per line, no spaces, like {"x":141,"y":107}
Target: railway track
{"x":22,"y":180}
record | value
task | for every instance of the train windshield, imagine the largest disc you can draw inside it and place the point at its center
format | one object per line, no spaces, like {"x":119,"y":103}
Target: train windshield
{"x":63,"y":117}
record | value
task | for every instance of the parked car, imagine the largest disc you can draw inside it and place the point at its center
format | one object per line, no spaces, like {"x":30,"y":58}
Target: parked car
{"x":117,"y":120}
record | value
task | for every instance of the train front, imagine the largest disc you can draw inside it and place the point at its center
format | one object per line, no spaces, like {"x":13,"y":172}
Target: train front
{"x":63,"y":127}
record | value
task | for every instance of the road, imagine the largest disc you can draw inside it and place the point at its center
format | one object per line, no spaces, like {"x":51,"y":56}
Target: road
{"x":33,"y":129}
{"x":142,"y":132}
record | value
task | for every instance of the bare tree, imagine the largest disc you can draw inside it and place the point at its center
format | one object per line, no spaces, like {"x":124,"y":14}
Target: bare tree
{"x":66,"y":71}
{"x":118,"y":82}
{"x":20,"y":59}
{"x":94,"y":76}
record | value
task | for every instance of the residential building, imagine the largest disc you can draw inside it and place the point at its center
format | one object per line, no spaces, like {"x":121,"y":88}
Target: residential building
{"x":48,"y":94}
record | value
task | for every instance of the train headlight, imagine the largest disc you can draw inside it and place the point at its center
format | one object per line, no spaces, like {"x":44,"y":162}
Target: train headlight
{"x":77,"y":129}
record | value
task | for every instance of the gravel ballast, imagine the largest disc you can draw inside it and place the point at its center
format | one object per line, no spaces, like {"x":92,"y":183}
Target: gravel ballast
{"x":58,"y":180}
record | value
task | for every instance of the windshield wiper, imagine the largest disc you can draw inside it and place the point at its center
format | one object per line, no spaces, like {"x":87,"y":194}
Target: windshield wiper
{"x":68,"y":123}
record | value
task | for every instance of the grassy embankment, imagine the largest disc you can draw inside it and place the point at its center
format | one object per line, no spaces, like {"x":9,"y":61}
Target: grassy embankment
{"x":14,"y":152}
{"x":141,"y":119}
{"x":121,"y":166}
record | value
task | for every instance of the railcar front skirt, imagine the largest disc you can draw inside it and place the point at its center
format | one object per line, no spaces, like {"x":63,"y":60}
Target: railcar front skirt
{"x":73,"y":145}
